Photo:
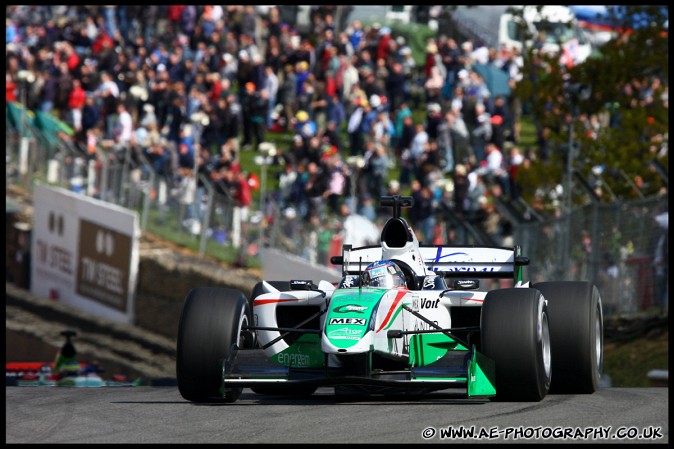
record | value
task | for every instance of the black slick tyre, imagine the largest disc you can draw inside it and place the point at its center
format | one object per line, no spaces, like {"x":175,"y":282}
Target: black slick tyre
{"x":515,"y":334}
{"x":210,"y":325}
{"x":576,"y":335}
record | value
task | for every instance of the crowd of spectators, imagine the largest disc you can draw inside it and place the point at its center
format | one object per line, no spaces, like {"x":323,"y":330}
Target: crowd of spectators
{"x":191,"y":87}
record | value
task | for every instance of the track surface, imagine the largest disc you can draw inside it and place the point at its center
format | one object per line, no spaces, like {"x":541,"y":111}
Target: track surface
{"x":161,"y":415}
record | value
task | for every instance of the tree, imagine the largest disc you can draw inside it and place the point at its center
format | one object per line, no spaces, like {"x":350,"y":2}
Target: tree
{"x":626,"y":81}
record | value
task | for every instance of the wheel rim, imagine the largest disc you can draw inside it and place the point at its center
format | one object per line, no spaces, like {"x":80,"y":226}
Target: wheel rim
{"x":545,"y":345}
{"x":242,"y":322}
{"x":598,"y":340}
{"x":233,"y":393}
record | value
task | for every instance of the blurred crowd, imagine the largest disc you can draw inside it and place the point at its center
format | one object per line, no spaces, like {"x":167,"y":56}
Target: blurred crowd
{"x":191,"y":87}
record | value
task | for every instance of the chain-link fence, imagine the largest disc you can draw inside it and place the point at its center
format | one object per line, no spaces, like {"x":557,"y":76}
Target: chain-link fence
{"x":614,"y":246}
{"x":182,"y":208}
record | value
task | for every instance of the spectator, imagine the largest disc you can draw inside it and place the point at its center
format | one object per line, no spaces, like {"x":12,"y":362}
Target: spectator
{"x":248,"y":107}
{"x":286,"y":180}
{"x":316,"y":188}
{"x":271,"y":85}
{"x":376,"y":169}
{"x":418,"y":148}
{"x":304,"y":126}
{"x":124,"y":127}
{"x":422,"y":214}
{"x":258,"y":116}
{"x":47,"y":92}
{"x":355,"y":127}
{"x":76,"y":102}
{"x":288,"y":94}
{"x":107,"y":94}
{"x":332,"y":136}
{"x":494,"y":170}
{"x":336,"y":183}
{"x":243,"y":198}
{"x":482,"y":133}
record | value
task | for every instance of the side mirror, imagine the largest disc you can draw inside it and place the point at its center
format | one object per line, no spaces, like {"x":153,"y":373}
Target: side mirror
{"x":466,"y":284}
{"x":462,"y":284}
{"x":301,"y":285}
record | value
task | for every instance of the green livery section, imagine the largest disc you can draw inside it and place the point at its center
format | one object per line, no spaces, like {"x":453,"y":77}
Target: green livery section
{"x":350,"y":313}
{"x":429,"y":348}
{"x":434,"y":350}
{"x":481,"y":376}
{"x":304,"y":353}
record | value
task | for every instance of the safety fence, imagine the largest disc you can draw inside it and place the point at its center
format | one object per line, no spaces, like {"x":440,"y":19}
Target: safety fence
{"x":186,"y":209}
{"x":620,"y":247}
{"x":613,"y":245}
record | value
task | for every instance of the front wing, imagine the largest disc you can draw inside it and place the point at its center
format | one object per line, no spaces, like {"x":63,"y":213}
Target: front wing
{"x":466,"y":370}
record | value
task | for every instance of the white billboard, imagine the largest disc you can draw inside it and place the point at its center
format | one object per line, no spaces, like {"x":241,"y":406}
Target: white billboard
{"x":85,"y":253}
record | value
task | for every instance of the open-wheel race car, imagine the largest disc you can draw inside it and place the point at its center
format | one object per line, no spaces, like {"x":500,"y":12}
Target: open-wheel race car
{"x":404,"y":319}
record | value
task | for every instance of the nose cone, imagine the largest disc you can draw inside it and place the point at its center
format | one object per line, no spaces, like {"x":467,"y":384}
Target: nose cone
{"x":347,"y":327}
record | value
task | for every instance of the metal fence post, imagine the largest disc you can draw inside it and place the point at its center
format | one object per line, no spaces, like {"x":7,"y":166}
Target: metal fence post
{"x":206,"y":224}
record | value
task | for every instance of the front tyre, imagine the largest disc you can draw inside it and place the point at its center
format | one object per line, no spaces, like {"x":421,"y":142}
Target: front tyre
{"x":210,"y":325}
{"x":576,"y":335}
{"x":515,"y":334}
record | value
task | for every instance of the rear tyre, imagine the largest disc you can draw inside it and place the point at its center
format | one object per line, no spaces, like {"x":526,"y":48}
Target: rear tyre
{"x":515,"y":334}
{"x":576,"y":335}
{"x":210,"y":325}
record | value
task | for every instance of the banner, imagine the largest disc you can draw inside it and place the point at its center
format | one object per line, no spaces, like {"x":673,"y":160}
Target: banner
{"x":85,"y":253}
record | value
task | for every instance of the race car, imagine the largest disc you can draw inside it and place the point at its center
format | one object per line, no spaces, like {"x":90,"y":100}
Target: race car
{"x":404,"y":319}
{"x":65,"y":371}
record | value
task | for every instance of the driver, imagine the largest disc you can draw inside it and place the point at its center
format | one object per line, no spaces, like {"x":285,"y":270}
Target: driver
{"x":383,"y":274}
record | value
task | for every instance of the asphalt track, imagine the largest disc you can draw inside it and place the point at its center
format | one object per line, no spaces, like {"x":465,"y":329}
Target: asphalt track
{"x":161,"y":415}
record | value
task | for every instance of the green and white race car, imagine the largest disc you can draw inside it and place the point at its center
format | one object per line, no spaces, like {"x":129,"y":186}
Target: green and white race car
{"x":405,"y":318}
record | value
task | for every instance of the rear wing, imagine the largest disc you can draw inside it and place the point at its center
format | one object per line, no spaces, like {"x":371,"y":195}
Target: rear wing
{"x":476,"y":261}
{"x":450,"y":261}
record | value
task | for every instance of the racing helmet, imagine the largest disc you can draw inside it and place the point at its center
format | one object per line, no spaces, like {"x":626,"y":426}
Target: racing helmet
{"x":384,"y":274}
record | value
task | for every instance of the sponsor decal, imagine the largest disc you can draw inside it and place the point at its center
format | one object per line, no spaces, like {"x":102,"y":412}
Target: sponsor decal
{"x":349,"y":308}
{"x":468,"y":269}
{"x":104,"y":266}
{"x":354,"y":321}
{"x":345,"y":333}
{"x":429,"y":282}
{"x":415,"y":303}
{"x":430,"y":303}
{"x":377,"y":272}
{"x":465,"y":283}
{"x":463,"y":257}
{"x":53,"y":256}
{"x":423,"y":326}
{"x":348,"y":281}
{"x":294,"y":359}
